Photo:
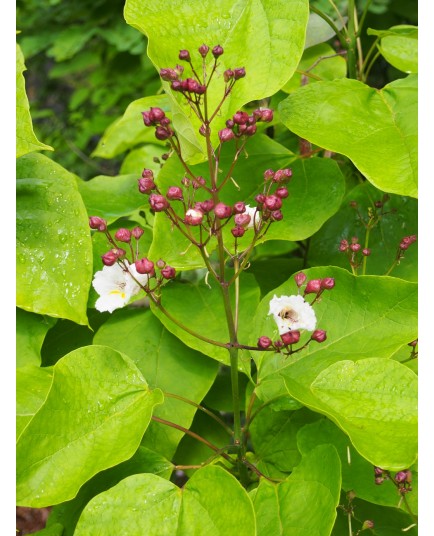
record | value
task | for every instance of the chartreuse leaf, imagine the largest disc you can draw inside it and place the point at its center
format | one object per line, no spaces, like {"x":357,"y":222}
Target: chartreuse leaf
{"x":128,"y":131}
{"x":400,"y":220}
{"x":54,"y":251}
{"x":305,"y":503}
{"x":31,"y":331}
{"x":143,"y":461}
{"x":274,"y":439}
{"x":26,"y":139}
{"x":398,"y":45}
{"x":376,"y":129}
{"x":32,"y":386}
{"x":111,"y":197}
{"x":166,"y":363}
{"x":212,"y":502}
{"x":274,"y":29}
{"x":98,"y":399}
{"x":356,"y":314}
{"x":200,"y":307}
{"x":315,"y":190}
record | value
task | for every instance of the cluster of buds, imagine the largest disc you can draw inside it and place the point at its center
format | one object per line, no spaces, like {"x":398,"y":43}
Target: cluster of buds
{"x":243,"y":124}
{"x":314,"y":286}
{"x":406,"y":242}
{"x":155,"y":117}
{"x":402,"y":479}
{"x":354,"y":251}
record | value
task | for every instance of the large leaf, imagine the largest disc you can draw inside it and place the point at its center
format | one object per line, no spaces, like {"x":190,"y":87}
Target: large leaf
{"x":129,"y":130}
{"x":200,"y":306}
{"x":305,"y":503}
{"x":266,"y":37}
{"x":315,"y":190}
{"x":356,"y":315}
{"x":318,"y":30}
{"x":398,"y":45}
{"x":54,"y":252}
{"x":26,"y":139}
{"x":31,"y":331}
{"x":94,"y":416}
{"x":376,"y":129}
{"x":156,"y":507}
{"x":166,"y":363}
{"x":400,"y":220}
{"x":143,"y":461}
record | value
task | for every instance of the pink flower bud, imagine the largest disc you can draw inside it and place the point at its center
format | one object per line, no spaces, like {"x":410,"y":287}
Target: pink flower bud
{"x":97,"y":223}
{"x":146,"y":185}
{"x":300,"y":278}
{"x":203,"y":50}
{"x":400,"y":476}
{"x":147,"y":174}
{"x":176,"y":85}
{"x":264,"y":342}
{"x":368,"y":524}
{"x":378,"y":471}
{"x":276,"y":215}
{"x":174,"y":193}
{"x":278,"y":344}
{"x":217,"y":51}
{"x":193,"y":217}
{"x":319,"y":335}
{"x":240,"y":118}
{"x":123,"y":235}
{"x":184,"y":55}
{"x":313,"y":286}
{"x":268,"y":174}
{"x":266,"y":115}
{"x":168,"y":74}
{"x":206,"y":206}
{"x":282,"y":192}
{"x":137,"y":232}
{"x":222,"y":211}
{"x":144,"y":266}
{"x":239,"y":207}
{"x":260,"y":198}
{"x":282,"y":175}
{"x":228,"y":75}
{"x":355,"y":247}
{"x":147,"y":119}
{"x":158,"y":202}
{"x":343,"y":246}
{"x":272,"y":202}
{"x":242,"y":219}
{"x":238,"y":232}
{"x":156,"y":114}
{"x":168,"y":272}
{"x":160,"y":263}
{"x":250,"y":130}
{"x":226,"y":134}
{"x":110,"y":257}
{"x":292,"y":337}
{"x":239,"y":73}
{"x":192,"y":85}
{"x":230,"y":124}
{"x":366,"y":252}
{"x":327,"y":283}
{"x":164,"y":123}
{"x":200,"y":90}
{"x":163,"y":133}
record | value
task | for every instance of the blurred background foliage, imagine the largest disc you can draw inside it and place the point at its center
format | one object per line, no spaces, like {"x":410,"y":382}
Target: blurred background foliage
{"x":85,"y":65}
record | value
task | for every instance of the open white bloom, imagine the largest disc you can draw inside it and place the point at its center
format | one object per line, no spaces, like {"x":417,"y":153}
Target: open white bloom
{"x":292,"y":313}
{"x":116,"y":287}
{"x":255,"y":216}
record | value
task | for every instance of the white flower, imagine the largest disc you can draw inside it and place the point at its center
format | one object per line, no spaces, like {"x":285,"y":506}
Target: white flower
{"x":116,"y":287}
{"x":255,"y":216}
{"x":292,"y":313}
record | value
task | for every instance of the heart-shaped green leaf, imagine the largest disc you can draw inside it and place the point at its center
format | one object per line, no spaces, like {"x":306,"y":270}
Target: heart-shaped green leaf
{"x":376,"y":129}
{"x":31,"y":331}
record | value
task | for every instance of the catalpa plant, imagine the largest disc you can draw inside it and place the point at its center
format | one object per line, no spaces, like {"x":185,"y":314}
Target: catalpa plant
{"x":251,"y":364}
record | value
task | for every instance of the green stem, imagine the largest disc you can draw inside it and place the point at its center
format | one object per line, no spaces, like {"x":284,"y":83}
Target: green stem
{"x":350,"y":528}
{"x":365,"y":257}
{"x":374,"y":59}
{"x":352,"y":46}
{"x":363,"y":17}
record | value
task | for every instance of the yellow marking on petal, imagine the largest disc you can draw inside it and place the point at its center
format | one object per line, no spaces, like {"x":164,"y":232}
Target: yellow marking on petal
{"x":122,"y":294}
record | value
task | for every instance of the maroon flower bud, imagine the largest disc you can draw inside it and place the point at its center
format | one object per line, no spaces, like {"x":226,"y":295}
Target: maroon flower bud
{"x":240,"y":118}
{"x":319,"y":335}
{"x":156,"y":114}
{"x":368,"y":524}
{"x":355,"y":247}
{"x":239,"y":73}
{"x":379,"y":480}
{"x":193,"y":217}
{"x":250,"y":130}
{"x":268,"y":174}
{"x":147,"y":174}
{"x":184,"y":55}
{"x":203,"y":50}
{"x":97,"y":223}
{"x":366,"y":252}
{"x":328,"y":283}
{"x":163,"y":133}
{"x":239,"y":207}
{"x":230,"y":124}
{"x":272,"y":202}
{"x":242,"y":219}
{"x":313,"y":286}
{"x":278,"y":344}
{"x":158,"y":202}
{"x":192,"y":85}
{"x":260,"y":198}
{"x":222,"y":211}
{"x":176,"y":85}
{"x":164,"y":123}
{"x":400,"y":476}
{"x":276,"y":215}
{"x":282,"y":192}
{"x":217,"y":51}
{"x":160,"y":263}
{"x":241,"y":130}
{"x":300,"y":278}
{"x":413,"y":343}
{"x":266,"y":115}
{"x":110,"y":257}
{"x":282,"y":175}
{"x":378,"y":204}
{"x":292,"y":337}
{"x":146,"y":185}
{"x":200,"y":90}
{"x":378,"y":471}
{"x":407,"y":241}
{"x":207,"y":205}
{"x":168,"y":272}
{"x":147,"y":119}
{"x":185,"y":181}
{"x":123,"y":235}
{"x":144,"y":266}
{"x":238,"y":232}
{"x":203,"y":130}
{"x":174,"y":193}
{"x":228,"y":75}
{"x":226,"y":134}
{"x":343,"y":246}
{"x":137,"y":232}
{"x":168,"y":74}
{"x":353,"y":204}
{"x":264,"y":342}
